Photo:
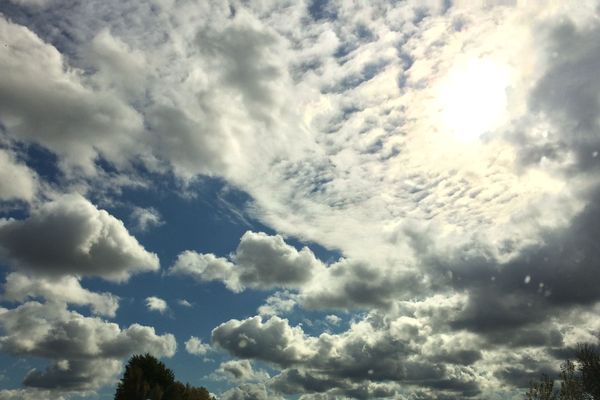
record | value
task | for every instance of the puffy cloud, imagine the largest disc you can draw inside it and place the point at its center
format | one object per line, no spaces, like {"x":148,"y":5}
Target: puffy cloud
{"x":368,"y":360}
{"x":249,"y":392}
{"x":278,"y":304}
{"x":70,"y":235}
{"x":241,"y":371}
{"x":333,"y":319}
{"x":19,"y":287}
{"x":157,"y":304}
{"x":260,"y":261}
{"x":74,"y":375}
{"x":274,"y":340}
{"x":195,"y":346}
{"x":45,"y":102}
{"x":17,"y":181}
{"x":206,"y":268}
{"x":29,"y":394}
{"x":86,"y":351}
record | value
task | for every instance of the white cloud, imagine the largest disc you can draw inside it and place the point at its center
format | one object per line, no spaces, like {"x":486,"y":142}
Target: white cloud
{"x":195,"y":346}
{"x":17,"y":181}
{"x":71,"y":119}
{"x":86,"y":351}
{"x":278,"y":304}
{"x":333,"y":319}
{"x":70,"y":236}
{"x":241,"y":371}
{"x":146,"y":218}
{"x":157,"y":304}
{"x":184,"y":303}
{"x":19,"y":287}
{"x":260,"y":261}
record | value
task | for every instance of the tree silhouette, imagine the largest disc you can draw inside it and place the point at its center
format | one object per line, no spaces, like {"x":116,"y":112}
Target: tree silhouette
{"x":580,"y":380}
{"x":146,"y":378}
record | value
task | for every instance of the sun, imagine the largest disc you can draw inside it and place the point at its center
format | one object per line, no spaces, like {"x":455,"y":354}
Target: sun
{"x":472,"y":98}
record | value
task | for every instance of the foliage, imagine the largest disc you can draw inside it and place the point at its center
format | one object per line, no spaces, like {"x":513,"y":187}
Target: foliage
{"x":146,"y":378}
{"x":580,"y":380}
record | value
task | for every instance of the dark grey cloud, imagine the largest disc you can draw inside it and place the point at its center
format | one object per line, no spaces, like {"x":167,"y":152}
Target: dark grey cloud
{"x":559,"y":273}
{"x":567,"y":95}
{"x":75,"y":375}
{"x":70,"y":236}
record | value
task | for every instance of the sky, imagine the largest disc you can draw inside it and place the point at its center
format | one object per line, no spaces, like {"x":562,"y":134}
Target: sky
{"x":314,"y":200}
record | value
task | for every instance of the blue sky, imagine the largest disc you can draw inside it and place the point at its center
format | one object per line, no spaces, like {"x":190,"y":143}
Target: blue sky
{"x":297,"y":199}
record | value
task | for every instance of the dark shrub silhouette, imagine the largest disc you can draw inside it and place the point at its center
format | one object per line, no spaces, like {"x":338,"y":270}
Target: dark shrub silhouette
{"x":579,"y":380}
{"x":146,"y":378}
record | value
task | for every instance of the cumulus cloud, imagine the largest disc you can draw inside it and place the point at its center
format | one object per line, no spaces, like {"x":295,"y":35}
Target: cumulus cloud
{"x":274,"y":340}
{"x":278,"y":304}
{"x":71,"y":119}
{"x":70,"y":235}
{"x":19,"y":287}
{"x":195,"y":346}
{"x":86,"y":351}
{"x":241,"y":371}
{"x":17,"y":181}
{"x":249,"y":392}
{"x":353,"y":363}
{"x":260,"y":261}
{"x":154,"y":303}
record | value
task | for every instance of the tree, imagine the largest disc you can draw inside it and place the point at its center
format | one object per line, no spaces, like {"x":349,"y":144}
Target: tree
{"x":580,"y":380}
{"x":589,"y":367}
{"x":146,"y":378}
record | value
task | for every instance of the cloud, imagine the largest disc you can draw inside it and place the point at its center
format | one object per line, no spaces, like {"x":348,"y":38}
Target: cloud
{"x":156,"y":304}
{"x":361,"y":361}
{"x":29,"y":394}
{"x":45,"y":102}
{"x":85,"y":351}
{"x":146,"y":218}
{"x":17,"y":181}
{"x":333,"y":319}
{"x":274,"y":340}
{"x":184,"y":303}
{"x":278,"y":304}
{"x":75,"y":375}
{"x":249,"y":392}
{"x":85,"y":241}
{"x":20,"y":287}
{"x":260,"y":261}
{"x":195,"y":346}
{"x":241,"y":371}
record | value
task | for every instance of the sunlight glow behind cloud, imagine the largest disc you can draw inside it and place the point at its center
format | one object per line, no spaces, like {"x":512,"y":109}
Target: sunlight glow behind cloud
{"x":473,"y":98}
